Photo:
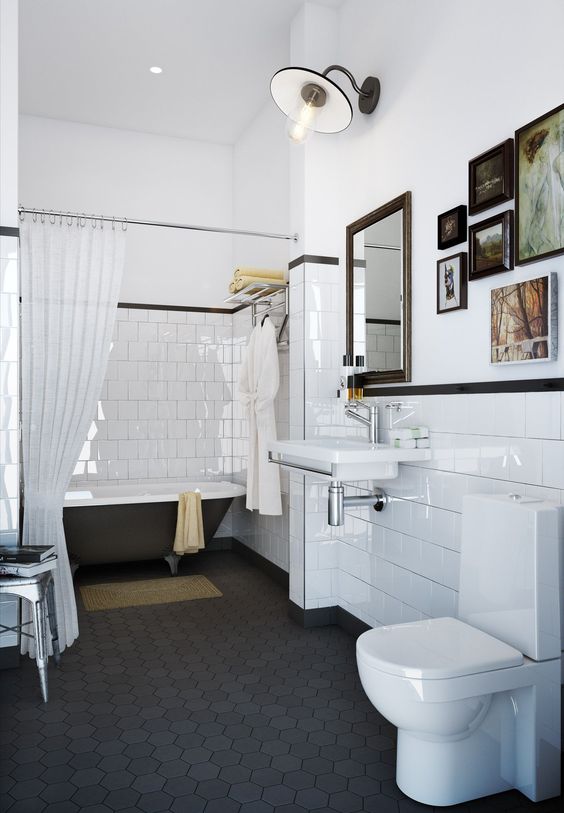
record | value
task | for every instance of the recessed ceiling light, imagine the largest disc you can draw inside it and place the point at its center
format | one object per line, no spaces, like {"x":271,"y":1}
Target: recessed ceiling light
{"x":156,"y":69}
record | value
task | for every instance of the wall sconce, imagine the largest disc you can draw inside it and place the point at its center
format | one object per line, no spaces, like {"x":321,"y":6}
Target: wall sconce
{"x":314,"y":103}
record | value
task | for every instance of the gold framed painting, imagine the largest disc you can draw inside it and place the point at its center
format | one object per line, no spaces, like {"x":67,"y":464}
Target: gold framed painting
{"x":539,"y":182}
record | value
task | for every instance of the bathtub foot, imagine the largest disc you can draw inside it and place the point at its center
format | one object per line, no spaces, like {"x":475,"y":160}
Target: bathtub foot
{"x":173,"y":559}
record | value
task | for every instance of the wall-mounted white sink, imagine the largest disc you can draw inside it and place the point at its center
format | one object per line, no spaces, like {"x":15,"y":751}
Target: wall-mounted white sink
{"x":344,"y":458}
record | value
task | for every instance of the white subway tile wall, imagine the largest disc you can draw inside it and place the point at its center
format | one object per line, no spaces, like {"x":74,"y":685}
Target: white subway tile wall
{"x":383,"y":346}
{"x":165,"y":411}
{"x":169,"y":410}
{"x":403,"y":564}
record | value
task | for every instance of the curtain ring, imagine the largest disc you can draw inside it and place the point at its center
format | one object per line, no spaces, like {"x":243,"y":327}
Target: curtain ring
{"x":69,"y":219}
{"x":113,"y":224}
{"x":80,"y":219}
{"x":21,"y":214}
{"x":124,"y":224}
{"x":102,"y":222}
{"x":54,"y":220}
{"x":60,"y":219}
{"x":34,"y":216}
{"x":93,"y":220}
{"x":42,"y":216}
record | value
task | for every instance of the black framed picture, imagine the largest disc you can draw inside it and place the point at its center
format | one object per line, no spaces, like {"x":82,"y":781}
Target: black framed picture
{"x":491,"y":245}
{"x":490,"y":178}
{"x":451,"y":227}
{"x":452,"y":283}
{"x":539,"y":199}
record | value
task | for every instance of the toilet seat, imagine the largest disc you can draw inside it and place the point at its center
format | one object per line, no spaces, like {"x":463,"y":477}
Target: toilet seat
{"x":434,"y":649}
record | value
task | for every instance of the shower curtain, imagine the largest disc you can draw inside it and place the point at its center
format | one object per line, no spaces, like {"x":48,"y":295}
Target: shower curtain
{"x":70,"y":279}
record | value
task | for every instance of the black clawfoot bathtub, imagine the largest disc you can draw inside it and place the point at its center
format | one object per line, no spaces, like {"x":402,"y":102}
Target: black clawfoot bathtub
{"x":132,"y":523}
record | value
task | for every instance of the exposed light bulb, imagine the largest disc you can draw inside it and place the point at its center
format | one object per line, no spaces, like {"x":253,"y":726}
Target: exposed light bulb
{"x":301,"y":120}
{"x":156,"y":69}
{"x":296,"y":131}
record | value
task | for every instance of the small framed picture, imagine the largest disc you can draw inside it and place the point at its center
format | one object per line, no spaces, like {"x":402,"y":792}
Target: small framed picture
{"x":524,"y":321}
{"x":452,"y":283}
{"x":539,"y":199}
{"x":491,"y":246}
{"x":490,"y":178}
{"x":451,"y":227}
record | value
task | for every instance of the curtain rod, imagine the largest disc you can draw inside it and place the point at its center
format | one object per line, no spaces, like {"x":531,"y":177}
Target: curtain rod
{"x":125,"y":222}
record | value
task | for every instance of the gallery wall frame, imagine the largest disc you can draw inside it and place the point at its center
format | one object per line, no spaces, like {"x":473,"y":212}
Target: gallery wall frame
{"x":490,"y":177}
{"x":490,"y":244}
{"x":524,"y":321}
{"x":539,"y":188}
{"x":451,"y":227}
{"x":452,"y":283}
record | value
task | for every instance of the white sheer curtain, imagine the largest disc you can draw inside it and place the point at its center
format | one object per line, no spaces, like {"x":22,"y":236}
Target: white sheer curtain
{"x":70,"y":280}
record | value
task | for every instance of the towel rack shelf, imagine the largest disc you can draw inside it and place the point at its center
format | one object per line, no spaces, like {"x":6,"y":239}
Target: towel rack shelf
{"x":262,"y":298}
{"x":256,"y":292}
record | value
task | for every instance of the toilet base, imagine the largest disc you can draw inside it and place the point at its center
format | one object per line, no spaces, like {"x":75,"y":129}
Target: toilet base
{"x":511,"y":748}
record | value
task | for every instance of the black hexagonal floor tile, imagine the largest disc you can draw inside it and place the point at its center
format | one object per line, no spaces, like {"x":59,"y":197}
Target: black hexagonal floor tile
{"x":223,"y":706}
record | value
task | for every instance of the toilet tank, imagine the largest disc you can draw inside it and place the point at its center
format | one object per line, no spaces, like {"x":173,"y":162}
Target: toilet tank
{"x":510,"y":571}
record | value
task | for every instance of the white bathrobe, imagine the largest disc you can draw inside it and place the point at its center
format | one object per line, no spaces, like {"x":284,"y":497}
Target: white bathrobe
{"x":258,"y":385}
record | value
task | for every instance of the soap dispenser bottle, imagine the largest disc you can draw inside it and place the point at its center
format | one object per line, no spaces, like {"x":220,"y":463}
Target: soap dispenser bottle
{"x":359,"y":370}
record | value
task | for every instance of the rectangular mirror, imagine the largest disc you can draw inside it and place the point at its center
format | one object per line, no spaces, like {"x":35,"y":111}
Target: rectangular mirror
{"x":379,"y":291}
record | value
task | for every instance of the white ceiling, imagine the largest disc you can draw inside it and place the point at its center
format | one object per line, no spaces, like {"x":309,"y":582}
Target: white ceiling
{"x":88,"y":61}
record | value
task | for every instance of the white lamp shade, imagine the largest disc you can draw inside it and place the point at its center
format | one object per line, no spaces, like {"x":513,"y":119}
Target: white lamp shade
{"x":286,"y":86}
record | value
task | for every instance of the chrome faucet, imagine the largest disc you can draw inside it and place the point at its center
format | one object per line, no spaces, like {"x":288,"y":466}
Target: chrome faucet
{"x":351,"y":410}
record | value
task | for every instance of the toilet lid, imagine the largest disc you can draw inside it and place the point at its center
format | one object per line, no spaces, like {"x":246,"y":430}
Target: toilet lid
{"x":433,"y":649}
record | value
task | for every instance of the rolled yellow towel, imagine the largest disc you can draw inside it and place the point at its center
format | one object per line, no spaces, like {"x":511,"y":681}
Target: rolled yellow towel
{"x":267,"y":273}
{"x":242,"y":282}
{"x":189,"y":536}
{"x":232,"y":288}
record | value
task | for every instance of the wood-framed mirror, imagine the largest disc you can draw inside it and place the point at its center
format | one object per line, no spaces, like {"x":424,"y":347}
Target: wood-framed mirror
{"x":379,"y":291}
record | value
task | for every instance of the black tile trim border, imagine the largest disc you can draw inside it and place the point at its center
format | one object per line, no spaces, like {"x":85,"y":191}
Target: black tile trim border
{"x":327,"y":616}
{"x":9,"y":657}
{"x":9,"y":231}
{"x":141,"y":306}
{"x":474,"y":387}
{"x":383,"y":321}
{"x":313,"y":258}
{"x":276,"y":573}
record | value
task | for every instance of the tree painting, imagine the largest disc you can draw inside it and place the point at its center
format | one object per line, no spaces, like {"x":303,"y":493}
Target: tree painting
{"x":521,"y":316}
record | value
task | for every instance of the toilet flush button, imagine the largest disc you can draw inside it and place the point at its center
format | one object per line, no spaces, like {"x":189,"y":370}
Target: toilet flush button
{"x":515,"y":497}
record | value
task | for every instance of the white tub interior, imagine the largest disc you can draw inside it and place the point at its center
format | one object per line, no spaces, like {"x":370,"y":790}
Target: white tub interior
{"x":151,"y":492}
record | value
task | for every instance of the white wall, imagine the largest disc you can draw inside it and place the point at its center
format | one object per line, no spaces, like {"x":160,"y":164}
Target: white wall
{"x":261,"y":191}
{"x":90,"y":169}
{"x":9,"y":293}
{"x":457,"y":78}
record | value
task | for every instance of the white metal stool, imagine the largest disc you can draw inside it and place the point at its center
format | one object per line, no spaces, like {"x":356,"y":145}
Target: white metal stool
{"x":38,"y":590}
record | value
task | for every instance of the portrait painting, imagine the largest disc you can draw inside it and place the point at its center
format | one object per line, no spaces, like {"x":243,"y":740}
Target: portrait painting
{"x":540,"y":188}
{"x":452,"y":285}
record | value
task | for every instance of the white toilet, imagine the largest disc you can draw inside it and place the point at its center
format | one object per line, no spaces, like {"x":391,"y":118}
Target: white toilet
{"x":476,"y":699}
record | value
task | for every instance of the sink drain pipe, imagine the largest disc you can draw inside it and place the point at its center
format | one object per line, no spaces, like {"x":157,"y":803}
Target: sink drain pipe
{"x":338,"y":502}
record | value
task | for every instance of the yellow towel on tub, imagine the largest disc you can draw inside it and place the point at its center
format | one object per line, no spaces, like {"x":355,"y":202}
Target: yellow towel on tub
{"x":274,"y":275}
{"x":189,"y":536}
